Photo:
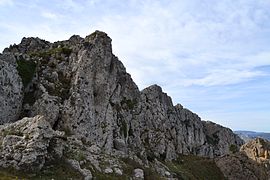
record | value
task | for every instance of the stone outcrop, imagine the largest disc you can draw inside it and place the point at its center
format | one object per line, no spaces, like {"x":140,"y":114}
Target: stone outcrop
{"x":11,"y":89}
{"x":24,"y":144}
{"x":252,"y":162}
{"x":240,"y":167}
{"x":79,"y":87}
{"x":257,"y":149}
{"x":163,"y":129}
{"x":221,"y":138}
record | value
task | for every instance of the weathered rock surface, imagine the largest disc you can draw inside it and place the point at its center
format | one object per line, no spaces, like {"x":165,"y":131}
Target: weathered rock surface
{"x":81,"y":88}
{"x":257,"y":149}
{"x":138,"y":174}
{"x":11,"y":92}
{"x":240,"y":167}
{"x":252,"y":162}
{"x":221,"y":138}
{"x":24,"y":144}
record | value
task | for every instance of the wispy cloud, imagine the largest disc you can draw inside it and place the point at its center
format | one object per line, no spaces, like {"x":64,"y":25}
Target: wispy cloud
{"x":6,"y":2}
{"x":191,"y":37}
{"x":50,"y":15}
{"x":204,"y":53}
{"x":225,"y":77}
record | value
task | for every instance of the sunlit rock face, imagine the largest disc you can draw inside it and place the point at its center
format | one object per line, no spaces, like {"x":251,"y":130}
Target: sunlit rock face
{"x":79,"y":87}
{"x":11,"y":89}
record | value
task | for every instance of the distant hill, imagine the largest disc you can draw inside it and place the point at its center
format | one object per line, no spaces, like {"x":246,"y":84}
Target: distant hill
{"x":248,"y":135}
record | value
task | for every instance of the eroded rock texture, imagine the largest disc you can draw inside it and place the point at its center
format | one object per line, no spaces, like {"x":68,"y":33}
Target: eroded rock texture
{"x":25,"y":143}
{"x":11,"y":92}
{"x":79,"y":87}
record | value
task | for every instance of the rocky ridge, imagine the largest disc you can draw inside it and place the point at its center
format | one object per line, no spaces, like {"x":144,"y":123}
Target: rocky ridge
{"x":95,"y":116}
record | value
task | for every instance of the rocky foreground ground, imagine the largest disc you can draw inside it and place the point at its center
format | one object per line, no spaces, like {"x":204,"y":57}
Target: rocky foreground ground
{"x":69,"y":110}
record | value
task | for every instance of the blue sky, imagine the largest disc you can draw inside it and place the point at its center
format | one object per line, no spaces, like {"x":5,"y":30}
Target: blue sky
{"x":211,"y":56}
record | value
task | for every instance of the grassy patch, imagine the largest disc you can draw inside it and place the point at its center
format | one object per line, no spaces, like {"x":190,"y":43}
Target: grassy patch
{"x":75,"y":154}
{"x":55,"y":51}
{"x":11,"y":131}
{"x":193,"y":167}
{"x":26,"y":70}
{"x":213,"y":140}
{"x":54,"y":170}
{"x":102,"y":176}
{"x":233,"y":148}
{"x":130,"y":104}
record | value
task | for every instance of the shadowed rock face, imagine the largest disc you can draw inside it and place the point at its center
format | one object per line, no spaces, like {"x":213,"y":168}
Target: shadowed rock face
{"x":81,"y":88}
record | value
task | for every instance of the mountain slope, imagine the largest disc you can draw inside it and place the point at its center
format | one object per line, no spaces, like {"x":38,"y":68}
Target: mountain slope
{"x":98,"y":120}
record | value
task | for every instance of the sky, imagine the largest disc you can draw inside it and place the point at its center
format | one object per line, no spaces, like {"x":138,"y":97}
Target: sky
{"x":213,"y":57}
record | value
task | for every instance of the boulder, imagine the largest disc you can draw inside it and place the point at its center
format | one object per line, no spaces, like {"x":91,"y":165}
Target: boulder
{"x":138,"y":174}
{"x":25,"y":143}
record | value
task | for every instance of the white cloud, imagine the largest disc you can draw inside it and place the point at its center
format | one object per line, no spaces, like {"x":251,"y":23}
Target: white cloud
{"x":6,"y":2}
{"x":225,"y":77}
{"x":50,"y":15}
{"x":181,"y":39}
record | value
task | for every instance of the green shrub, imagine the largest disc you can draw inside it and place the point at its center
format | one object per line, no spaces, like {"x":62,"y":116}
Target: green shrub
{"x":233,"y":148}
{"x":54,"y":51}
{"x":26,"y":70}
{"x":79,"y":156}
{"x":66,"y":51}
{"x":129,"y":103}
{"x":124,"y":128}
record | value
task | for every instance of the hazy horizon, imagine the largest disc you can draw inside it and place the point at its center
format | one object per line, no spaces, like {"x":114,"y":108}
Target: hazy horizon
{"x":213,"y":57}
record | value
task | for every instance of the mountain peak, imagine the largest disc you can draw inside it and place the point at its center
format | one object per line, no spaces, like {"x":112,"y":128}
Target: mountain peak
{"x":94,"y":112}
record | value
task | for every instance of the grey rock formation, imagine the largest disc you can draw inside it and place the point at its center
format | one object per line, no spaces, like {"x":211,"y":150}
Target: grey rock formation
{"x":221,"y":138}
{"x":138,"y":174}
{"x":11,"y":89}
{"x":25,"y":143}
{"x":48,"y":106}
{"x":163,"y":129}
{"x":81,"y":88}
{"x":28,"y":45}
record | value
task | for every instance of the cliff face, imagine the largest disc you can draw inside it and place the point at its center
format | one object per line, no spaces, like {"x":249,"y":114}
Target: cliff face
{"x":221,"y":138}
{"x":83,"y":90}
{"x":11,"y":93}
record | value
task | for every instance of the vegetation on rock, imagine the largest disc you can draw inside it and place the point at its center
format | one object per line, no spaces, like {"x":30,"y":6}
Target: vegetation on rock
{"x":26,"y":70}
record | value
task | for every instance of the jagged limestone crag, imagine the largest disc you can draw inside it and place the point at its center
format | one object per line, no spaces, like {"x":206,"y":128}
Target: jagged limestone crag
{"x":82,"y":89}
